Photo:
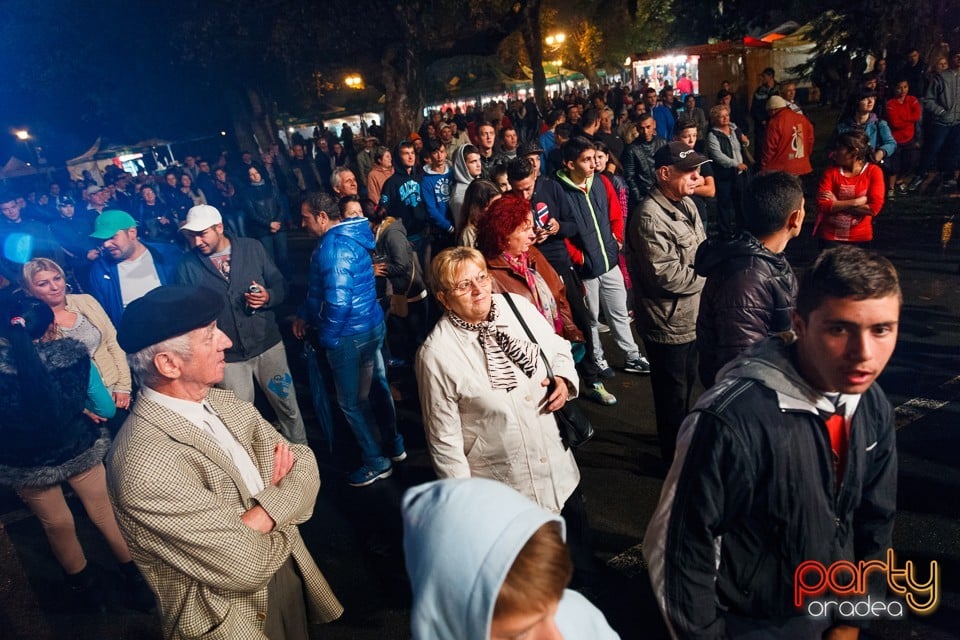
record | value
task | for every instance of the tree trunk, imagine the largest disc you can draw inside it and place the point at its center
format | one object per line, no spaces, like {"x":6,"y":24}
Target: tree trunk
{"x":260,"y":122}
{"x":532,"y":34}
{"x":238,"y":105}
{"x":403,"y":98}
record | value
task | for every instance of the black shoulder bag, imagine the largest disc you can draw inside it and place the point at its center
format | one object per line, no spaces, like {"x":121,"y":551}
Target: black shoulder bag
{"x":574,"y":425}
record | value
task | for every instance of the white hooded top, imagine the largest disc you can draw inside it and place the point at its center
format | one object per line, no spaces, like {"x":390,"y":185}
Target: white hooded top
{"x":460,"y":538}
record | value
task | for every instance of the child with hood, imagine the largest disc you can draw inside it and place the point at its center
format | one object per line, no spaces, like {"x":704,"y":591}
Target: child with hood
{"x":487,"y":563}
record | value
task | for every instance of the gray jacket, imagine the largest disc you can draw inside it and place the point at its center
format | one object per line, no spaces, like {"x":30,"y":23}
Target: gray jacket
{"x":943,"y":97}
{"x":662,"y":240}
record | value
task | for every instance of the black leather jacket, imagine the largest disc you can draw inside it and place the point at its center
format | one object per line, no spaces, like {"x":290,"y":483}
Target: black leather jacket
{"x":638,"y":168}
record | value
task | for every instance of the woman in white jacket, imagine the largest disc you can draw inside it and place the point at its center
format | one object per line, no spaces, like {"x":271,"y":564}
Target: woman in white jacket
{"x":487,"y":403}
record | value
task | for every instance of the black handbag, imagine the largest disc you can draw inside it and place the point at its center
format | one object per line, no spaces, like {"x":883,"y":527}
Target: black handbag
{"x":574,"y":425}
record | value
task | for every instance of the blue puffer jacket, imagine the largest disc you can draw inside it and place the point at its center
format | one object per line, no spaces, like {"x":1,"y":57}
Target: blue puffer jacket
{"x":342,"y":297}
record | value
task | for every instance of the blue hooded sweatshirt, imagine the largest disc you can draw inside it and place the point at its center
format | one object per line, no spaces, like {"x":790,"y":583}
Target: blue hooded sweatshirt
{"x":460,"y":539}
{"x":437,"y":187}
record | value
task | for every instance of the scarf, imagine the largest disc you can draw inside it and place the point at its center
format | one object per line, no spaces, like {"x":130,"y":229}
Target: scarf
{"x":543,"y":298}
{"x":501,"y":350}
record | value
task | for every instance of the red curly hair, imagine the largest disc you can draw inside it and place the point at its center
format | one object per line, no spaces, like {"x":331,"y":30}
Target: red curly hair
{"x":504,"y":217}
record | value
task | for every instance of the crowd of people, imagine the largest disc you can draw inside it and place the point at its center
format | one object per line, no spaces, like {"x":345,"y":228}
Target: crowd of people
{"x":482,"y":256}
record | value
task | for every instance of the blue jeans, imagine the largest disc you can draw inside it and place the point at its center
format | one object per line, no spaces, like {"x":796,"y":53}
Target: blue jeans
{"x":364,"y":394}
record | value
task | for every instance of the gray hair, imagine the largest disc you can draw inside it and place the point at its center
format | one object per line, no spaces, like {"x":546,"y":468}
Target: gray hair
{"x":142,"y":365}
{"x":335,"y":178}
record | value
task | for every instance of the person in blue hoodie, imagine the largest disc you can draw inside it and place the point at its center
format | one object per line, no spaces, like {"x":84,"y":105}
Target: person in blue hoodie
{"x":342,"y":305}
{"x":487,"y":563}
{"x":437,"y":185}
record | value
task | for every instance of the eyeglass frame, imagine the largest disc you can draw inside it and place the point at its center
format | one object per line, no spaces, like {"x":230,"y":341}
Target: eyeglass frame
{"x":465,"y":286}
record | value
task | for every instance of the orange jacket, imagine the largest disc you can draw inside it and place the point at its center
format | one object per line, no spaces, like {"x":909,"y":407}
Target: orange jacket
{"x":789,"y":144}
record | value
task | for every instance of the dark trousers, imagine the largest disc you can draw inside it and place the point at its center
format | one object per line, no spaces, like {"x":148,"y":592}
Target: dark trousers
{"x":407,"y":334}
{"x":729,"y":198}
{"x":943,"y":144}
{"x":581,"y":317}
{"x":673,"y":370}
{"x":580,"y":541}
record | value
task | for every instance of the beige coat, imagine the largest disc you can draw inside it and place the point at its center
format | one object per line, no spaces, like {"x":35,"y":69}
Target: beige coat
{"x":110,"y":359}
{"x":179,"y":499}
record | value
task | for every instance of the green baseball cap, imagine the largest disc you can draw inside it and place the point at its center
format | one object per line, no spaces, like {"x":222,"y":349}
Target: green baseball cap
{"x":111,"y":221}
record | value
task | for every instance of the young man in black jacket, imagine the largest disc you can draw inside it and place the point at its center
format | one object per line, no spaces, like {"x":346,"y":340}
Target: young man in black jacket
{"x":750,"y":288}
{"x":790,"y":459}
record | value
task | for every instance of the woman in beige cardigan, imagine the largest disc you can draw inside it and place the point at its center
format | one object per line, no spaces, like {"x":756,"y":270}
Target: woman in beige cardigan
{"x":81,"y":317}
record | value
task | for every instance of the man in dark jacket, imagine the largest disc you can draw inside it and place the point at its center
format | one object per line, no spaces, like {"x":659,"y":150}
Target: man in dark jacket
{"x":547,"y":199}
{"x":402,"y":197}
{"x":597,"y":240}
{"x":638,"y":165}
{"x":252,"y":286}
{"x":750,"y":288}
{"x":790,"y":459}
{"x":342,"y":305}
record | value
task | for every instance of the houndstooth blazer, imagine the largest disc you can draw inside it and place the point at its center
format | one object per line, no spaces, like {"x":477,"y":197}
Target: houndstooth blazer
{"x":179,"y":498}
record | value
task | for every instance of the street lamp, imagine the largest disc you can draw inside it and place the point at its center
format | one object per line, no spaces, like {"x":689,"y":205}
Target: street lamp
{"x":555,"y":39}
{"x":22,"y":134}
{"x":354,"y":81}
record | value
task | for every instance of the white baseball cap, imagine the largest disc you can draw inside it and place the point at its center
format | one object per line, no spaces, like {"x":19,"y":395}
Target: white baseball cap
{"x":201,"y":218}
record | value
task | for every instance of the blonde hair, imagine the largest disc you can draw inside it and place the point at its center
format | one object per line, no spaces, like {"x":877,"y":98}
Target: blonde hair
{"x":445,"y":265}
{"x":35,"y":266}
{"x":538,"y":576}
{"x":716,"y":109}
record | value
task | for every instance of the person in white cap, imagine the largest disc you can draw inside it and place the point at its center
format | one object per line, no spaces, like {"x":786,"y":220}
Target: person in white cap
{"x":788,"y":141}
{"x":240,"y":270}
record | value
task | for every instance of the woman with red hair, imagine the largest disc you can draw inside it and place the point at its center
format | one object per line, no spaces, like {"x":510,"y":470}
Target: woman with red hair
{"x":506,"y":237}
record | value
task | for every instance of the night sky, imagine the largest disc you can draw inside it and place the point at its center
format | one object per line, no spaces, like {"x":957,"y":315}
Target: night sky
{"x":73,"y":71}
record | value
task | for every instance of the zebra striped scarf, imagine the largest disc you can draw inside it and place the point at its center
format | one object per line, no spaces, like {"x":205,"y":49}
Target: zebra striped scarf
{"x":500,"y":350}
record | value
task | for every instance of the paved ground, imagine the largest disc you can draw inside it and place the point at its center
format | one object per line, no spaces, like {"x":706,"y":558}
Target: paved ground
{"x":354,"y":532}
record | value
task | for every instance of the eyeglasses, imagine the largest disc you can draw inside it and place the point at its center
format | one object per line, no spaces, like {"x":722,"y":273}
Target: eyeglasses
{"x":464,"y":287}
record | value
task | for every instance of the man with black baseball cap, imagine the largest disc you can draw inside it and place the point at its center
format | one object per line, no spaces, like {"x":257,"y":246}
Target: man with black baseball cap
{"x":207,"y":493}
{"x":662,"y":239}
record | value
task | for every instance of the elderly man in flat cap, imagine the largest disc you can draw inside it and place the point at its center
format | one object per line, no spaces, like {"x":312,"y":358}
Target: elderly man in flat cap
{"x":207,"y":493}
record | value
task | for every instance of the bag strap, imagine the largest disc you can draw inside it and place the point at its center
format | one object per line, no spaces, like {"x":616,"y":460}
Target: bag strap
{"x":513,"y":307}
{"x":413,"y":273}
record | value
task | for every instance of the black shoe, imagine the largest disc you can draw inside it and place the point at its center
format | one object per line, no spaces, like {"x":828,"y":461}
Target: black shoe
{"x":137,"y":593}
{"x":88,"y":590}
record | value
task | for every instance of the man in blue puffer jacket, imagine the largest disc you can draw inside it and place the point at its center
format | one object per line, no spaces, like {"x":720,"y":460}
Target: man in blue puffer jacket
{"x":342,"y":304}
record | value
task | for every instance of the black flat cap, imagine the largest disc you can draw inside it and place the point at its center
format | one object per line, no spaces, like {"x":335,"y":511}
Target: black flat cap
{"x":167,"y":312}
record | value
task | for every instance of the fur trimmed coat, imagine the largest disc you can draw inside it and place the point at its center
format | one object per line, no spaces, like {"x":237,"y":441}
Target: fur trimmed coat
{"x":42,"y":448}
